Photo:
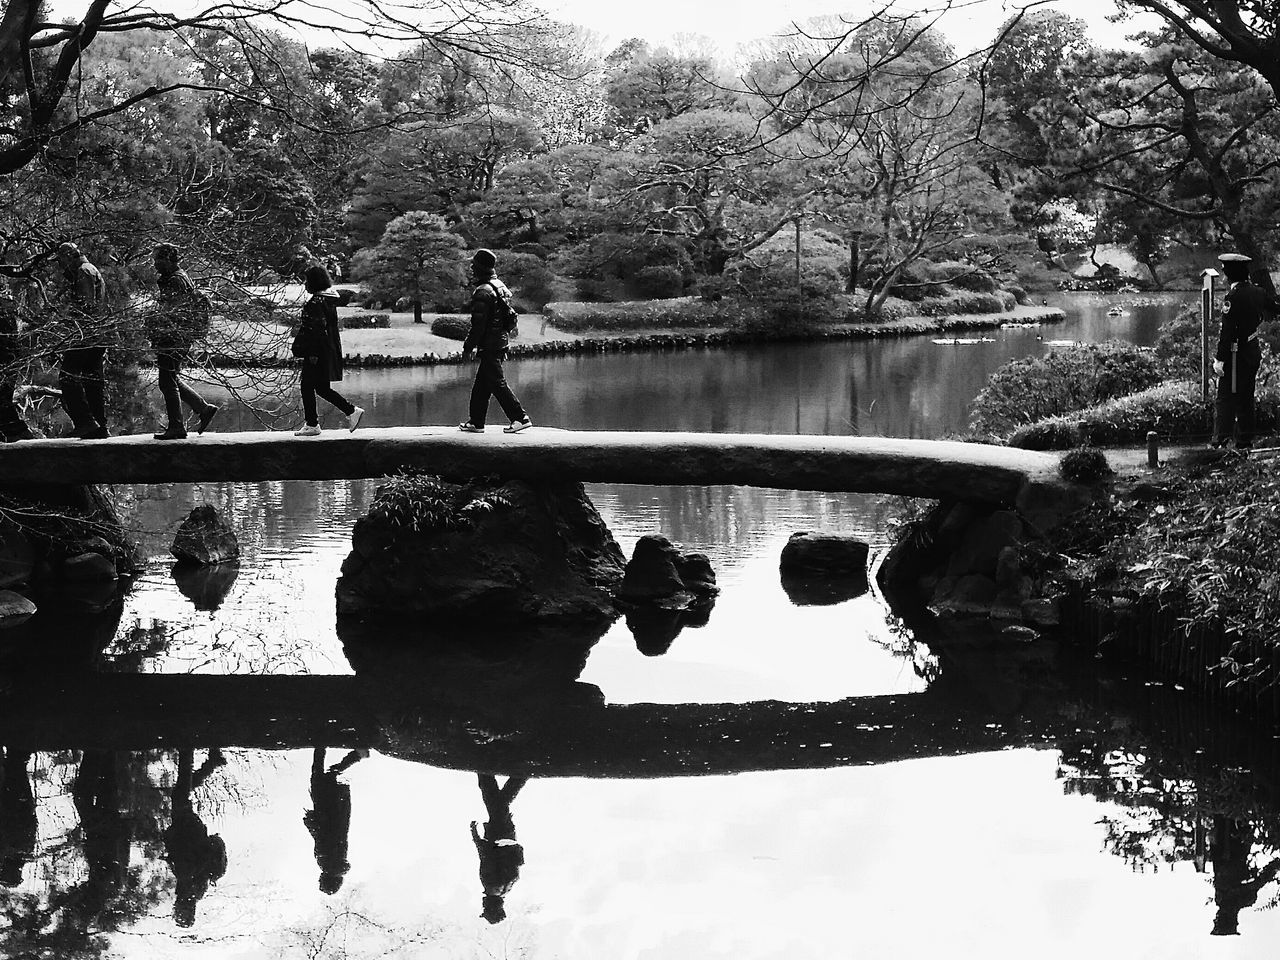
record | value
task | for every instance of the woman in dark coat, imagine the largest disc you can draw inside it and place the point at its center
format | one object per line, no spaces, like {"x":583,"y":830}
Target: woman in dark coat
{"x":320,"y":347}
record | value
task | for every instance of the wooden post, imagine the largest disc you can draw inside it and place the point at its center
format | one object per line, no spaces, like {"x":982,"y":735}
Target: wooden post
{"x":1206,"y":317}
{"x":1153,"y":449}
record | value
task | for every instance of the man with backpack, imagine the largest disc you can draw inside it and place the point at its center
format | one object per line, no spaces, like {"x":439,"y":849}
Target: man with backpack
{"x":181,"y":317}
{"x":493,"y":323}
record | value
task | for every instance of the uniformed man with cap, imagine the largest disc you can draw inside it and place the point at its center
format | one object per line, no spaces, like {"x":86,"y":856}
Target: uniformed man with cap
{"x":1239,"y":354}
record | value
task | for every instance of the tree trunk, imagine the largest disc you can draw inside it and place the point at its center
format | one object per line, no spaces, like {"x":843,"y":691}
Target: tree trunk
{"x":417,"y":311}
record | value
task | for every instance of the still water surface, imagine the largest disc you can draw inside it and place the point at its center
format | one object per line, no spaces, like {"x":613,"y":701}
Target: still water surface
{"x":1105,"y":838}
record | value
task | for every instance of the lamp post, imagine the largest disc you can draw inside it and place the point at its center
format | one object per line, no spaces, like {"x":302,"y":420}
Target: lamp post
{"x":799,"y":288}
{"x":1206,"y":316}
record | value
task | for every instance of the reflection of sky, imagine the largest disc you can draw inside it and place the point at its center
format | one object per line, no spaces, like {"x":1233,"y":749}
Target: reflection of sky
{"x":979,"y":856}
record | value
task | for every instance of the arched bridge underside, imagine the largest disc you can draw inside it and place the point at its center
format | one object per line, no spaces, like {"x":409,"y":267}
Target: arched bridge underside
{"x":918,"y":468}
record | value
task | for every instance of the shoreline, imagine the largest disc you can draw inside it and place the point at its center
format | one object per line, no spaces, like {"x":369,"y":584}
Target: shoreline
{"x":686,"y":339}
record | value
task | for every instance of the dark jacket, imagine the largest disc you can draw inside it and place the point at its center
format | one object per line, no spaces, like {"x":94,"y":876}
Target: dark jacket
{"x":485,"y":333}
{"x":318,"y":333}
{"x":172,"y":324}
{"x":1244,"y":308}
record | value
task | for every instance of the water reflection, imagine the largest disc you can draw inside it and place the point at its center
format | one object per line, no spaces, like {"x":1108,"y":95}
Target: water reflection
{"x":17,"y":816}
{"x":196,"y":857}
{"x":206,"y":586}
{"x":329,"y":819}
{"x":501,"y":857}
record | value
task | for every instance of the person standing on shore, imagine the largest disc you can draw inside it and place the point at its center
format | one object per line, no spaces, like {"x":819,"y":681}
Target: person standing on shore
{"x":492,"y":323}
{"x":319,"y":345}
{"x":82,"y":373}
{"x":179,"y":315}
{"x":1239,"y":354}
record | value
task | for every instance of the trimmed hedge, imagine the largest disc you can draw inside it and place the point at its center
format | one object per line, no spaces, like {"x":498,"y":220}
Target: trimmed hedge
{"x":451,"y":327}
{"x":367,"y":321}
{"x":1173,"y":410}
{"x":679,"y":312}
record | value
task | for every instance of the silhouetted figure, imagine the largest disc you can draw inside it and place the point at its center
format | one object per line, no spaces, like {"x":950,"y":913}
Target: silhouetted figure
{"x":12,"y":426}
{"x":500,"y":856}
{"x":107,"y":829}
{"x":329,"y":819}
{"x":17,"y":817}
{"x":1235,"y":884}
{"x":196,"y":857}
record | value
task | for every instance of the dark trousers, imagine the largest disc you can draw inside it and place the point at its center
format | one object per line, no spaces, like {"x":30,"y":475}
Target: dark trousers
{"x":174,"y":390}
{"x":82,"y":379}
{"x":1234,"y":411}
{"x":316,"y":384}
{"x":490,"y":382}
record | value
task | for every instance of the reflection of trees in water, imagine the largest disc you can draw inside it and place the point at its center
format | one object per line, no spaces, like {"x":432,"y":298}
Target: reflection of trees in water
{"x":1213,"y":819}
{"x":100,"y":865}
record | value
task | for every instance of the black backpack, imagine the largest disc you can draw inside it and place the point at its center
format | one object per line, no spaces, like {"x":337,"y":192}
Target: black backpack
{"x":505,"y":315}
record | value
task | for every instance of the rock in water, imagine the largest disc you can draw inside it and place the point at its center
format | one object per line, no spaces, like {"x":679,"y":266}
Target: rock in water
{"x":823,"y":555}
{"x":651,"y":572}
{"x":14,"y":608}
{"x":484,"y":551}
{"x":205,"y":538}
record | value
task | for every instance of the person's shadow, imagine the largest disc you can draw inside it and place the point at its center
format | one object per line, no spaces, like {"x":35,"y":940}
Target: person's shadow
{"x":1236,"y":884}
{"x":106,"y":828}
{"x":17,"y":817}
{"x":196,"y":857}
{"x":329,"y":819}
{"x":501,"y":857}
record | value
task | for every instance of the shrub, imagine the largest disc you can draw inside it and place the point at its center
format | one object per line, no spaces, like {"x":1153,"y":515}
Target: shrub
{"x":768,"y":273}
{"x":1085,"y":465}
{"x":1173,"y":410}
{"x":660,"y":282}
{"x":962,"y":276}
{"x":527,"y":275}
{"x":962,"y":302}
{"x":366,"y":321}
{"x":425,"y":504}
{"x":451,"y":326}
{"x":1019,"y":294}
{"x":1061,"y":382}
{"x":638,"y":315}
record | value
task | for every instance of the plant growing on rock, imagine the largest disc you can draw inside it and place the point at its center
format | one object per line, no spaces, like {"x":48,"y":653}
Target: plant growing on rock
{"x":425,"y":504}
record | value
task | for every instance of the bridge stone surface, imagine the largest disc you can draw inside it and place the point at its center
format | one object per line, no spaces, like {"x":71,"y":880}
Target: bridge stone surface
{"x":920,"y":468}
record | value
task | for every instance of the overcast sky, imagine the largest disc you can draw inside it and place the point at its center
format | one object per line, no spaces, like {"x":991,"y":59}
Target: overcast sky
{"x":969,"y":24}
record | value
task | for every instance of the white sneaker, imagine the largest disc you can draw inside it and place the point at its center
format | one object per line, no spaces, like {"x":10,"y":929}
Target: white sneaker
{"x":518,"y":425}
{"x":466,"y":426}
{"x":353,"y":419}
{"x":309,"y":430}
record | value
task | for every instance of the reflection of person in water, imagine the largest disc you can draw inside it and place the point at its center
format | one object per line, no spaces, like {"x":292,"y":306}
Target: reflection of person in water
{"x":107,"y":829}
{"x":17,"y":817}
{"x":1235,"y":884}
{"x":196,"y":857}
{"x":329,"y":819}
{"x":500,"y":856}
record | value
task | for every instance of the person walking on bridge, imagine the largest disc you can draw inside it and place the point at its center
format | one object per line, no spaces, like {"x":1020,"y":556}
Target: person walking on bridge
{"x":319,"y":344}
{"x":180,"y":317}
{"x":1239,"y":355}
{"x":82,"y":368}
{"x":492,"y":326}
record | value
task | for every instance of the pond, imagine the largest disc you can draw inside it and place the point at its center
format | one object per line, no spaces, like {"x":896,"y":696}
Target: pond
{"x":857,"y":791}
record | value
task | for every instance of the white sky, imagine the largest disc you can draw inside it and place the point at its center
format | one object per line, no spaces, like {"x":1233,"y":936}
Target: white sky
{"x":969,"y":24}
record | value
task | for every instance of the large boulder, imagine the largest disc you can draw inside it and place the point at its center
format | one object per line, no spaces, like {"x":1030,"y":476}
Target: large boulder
{"x":14,"y":608}
{"x":486,"y":552}
{"x":665,"y":591}
{"x":818,"y":569}
{"x":205,"y":538}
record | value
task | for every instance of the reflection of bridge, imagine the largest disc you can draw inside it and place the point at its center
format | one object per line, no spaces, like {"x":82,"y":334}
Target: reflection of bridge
{"x":566,"y":733}
{"x":924,"y":468}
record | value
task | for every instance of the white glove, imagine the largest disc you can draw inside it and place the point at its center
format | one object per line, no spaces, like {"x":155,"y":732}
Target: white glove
{"x":1219,"y":367}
